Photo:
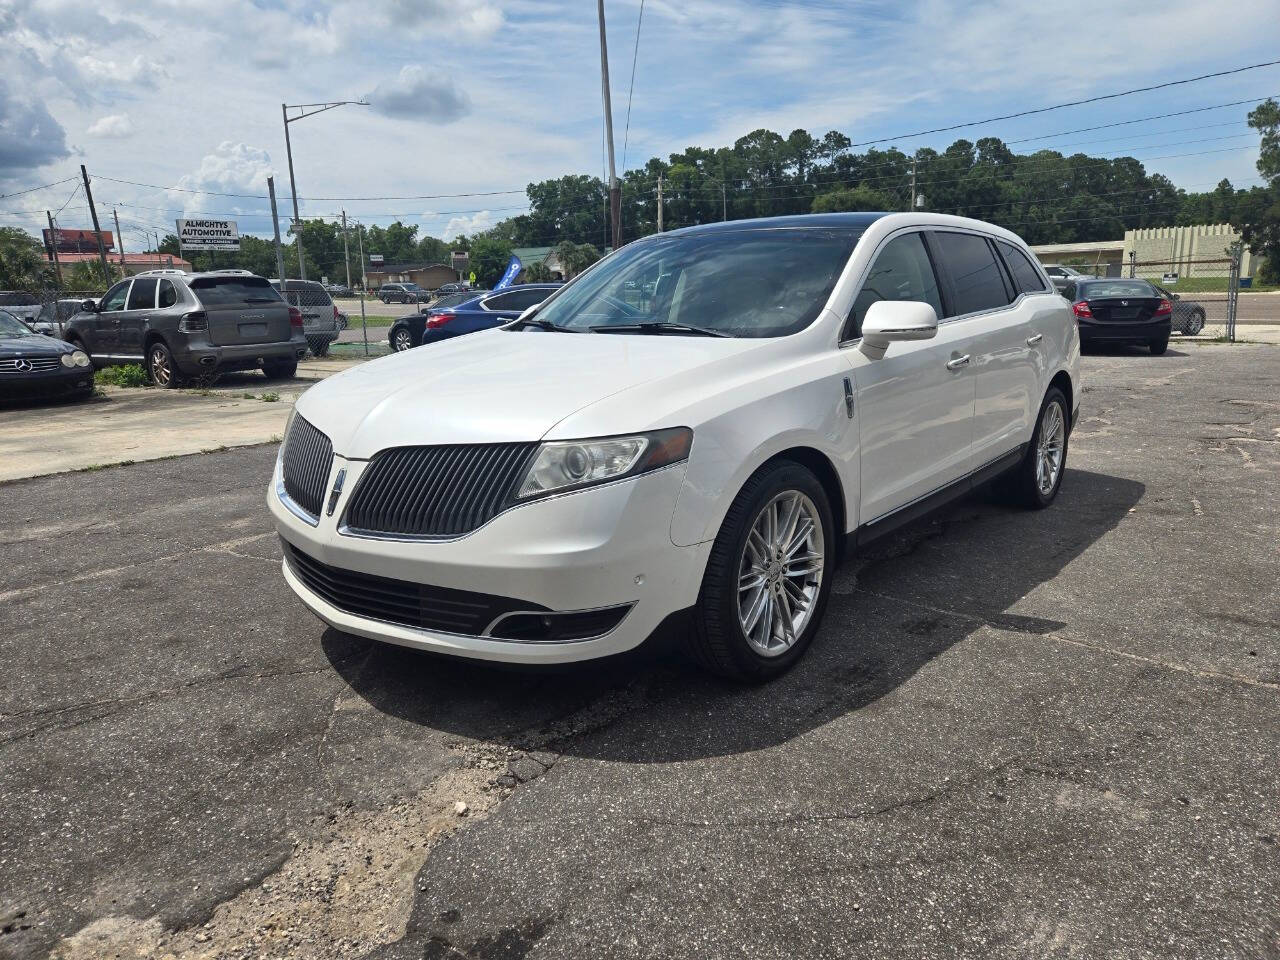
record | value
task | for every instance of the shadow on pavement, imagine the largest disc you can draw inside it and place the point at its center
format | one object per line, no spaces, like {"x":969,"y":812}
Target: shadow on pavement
{"x":893,"y":610}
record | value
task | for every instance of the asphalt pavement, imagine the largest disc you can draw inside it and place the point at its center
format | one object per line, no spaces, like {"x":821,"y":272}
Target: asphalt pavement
{"x":1019,"y":734}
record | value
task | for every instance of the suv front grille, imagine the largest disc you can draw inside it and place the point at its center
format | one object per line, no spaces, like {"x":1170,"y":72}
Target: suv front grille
{"x":441,"y":491}
{"x":401,"y":601}
{"x":305,"y":464}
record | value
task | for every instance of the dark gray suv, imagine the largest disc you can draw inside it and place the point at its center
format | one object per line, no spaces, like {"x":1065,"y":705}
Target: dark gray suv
{"x":191,"y":326}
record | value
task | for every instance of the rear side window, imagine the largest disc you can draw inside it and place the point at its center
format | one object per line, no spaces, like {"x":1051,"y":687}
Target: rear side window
{"x":143,"y":295}
{"x":1025,"y":276}
{"x":168,"y":294}
{"x":229,"y":291}
{"x":517,"y":299}
{"x":902,"y":271}
{"x":976,"y":280}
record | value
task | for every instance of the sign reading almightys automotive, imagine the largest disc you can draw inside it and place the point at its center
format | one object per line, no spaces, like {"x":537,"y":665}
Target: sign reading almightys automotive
{"x":208,"y":235}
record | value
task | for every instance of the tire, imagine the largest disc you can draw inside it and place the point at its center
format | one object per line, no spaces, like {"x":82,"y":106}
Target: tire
{"x":401,"y":339}
{"x":319,"y":345}
{"x":1159,"y":346}
{"x":1023,"y":485}
{"x":1194,"y":324}
{"x":719,"y":642}
{"x":280,"y":369}
{"x":161,"y":369}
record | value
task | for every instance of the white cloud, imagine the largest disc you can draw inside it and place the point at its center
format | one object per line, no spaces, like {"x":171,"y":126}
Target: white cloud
{"x":233,"y":168}
{"x":113,"y":125}
{"x":414,"y":94}
{"x":460,"y":226}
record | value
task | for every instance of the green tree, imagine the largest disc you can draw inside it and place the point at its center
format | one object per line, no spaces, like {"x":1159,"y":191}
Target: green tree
{"x":537,"y":272}
{"x":852,"y":198}
{"x":575,"y":257}
{"x":1257,"y":213}
{"x":489,"y":258}
{"x":22,"y":262}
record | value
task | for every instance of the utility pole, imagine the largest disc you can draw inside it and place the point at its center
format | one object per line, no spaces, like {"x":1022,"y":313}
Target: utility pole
{"x":275,"y":222}
{"x":913,"y":185}
{"x":53,"y":247}
{"x":659,"y":203}
{"x":615,"y":191}
{"x":119,"y":239}
{"x":97,"y":231}
{"x":346,"y":254}
{"x":293,"y":186}
{"x":364,"y":285}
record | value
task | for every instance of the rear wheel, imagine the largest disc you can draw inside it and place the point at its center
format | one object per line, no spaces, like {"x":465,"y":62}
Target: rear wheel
{"x":160,"y":366}
{"x":1036,"y":480}
{"x":768,"y":577}
{"x":280,"y":369}
{"x":1159,"y":346}
{"x":319,"y":345}
{"x":401,"y":339}
{"x":1194,"y":324}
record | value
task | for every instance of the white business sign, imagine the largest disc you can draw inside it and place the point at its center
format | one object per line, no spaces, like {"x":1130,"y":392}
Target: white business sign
{"x":208,"y":235}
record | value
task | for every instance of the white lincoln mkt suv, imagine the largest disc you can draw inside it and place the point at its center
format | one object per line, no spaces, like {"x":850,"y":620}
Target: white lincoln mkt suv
{"x":689,"y":432}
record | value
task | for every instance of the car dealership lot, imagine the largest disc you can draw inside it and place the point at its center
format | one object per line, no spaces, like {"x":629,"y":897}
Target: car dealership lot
{"x":1018,"y":735}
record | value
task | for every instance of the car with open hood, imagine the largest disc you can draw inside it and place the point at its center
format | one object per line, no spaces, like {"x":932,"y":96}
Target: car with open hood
{"x":687,"y":436}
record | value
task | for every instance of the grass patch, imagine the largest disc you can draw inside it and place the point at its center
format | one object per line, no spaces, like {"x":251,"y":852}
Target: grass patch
{"x":1187,"y":285}
{"x":128,"y":375}
{"x":269,"y":397}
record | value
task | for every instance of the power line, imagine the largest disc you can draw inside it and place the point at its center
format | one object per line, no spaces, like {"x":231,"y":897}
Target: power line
{"x":635,"y":55}
{"x":263,"y":196}
{"x":1125,"y":123}
{"x":1070,"y":103}
{"x":44,"y":186}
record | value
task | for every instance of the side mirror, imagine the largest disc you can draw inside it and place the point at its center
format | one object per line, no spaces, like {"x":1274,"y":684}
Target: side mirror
{"x":88,"y":306}
{"x":890,"y":320}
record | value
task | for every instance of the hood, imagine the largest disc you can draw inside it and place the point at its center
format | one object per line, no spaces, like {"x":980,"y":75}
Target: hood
{"x":494,"y":386}
{"x":34,"y":345}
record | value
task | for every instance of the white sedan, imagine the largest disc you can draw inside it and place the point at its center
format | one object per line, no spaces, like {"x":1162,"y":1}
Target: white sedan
{"x":688,"y":434}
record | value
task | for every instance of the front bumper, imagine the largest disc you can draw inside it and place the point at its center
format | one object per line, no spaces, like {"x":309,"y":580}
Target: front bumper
{"x":605,"y":546}
{"x":1125,"y":332}
{"x":64,"y":382}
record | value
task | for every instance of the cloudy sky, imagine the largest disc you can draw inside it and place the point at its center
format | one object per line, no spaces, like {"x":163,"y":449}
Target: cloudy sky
{"x":476,"y":98}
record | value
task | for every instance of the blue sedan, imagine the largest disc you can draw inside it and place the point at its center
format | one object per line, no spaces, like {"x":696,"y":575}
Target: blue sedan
{"x":492,"y":308}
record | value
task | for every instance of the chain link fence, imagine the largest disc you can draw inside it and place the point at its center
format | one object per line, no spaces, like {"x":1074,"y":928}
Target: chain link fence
{"x":1204,"y":293}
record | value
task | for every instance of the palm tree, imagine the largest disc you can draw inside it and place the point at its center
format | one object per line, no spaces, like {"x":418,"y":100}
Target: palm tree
{"x":22,"y":265}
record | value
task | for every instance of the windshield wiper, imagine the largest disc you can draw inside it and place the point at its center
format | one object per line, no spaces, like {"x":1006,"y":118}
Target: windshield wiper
{"x":541,"y":325}
{"x":680,"y":329}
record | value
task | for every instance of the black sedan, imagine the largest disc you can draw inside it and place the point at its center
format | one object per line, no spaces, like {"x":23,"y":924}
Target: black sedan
{"x":407,"y":331}
{"x":33,"y":366}
{"x":1188,"y":316}
{"x":1121,"y":311}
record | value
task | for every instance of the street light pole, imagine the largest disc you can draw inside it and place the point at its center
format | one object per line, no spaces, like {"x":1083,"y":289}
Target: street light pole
{"x":306,"y":110}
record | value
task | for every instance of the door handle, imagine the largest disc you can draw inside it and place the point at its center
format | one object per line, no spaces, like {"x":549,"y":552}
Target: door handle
{"x":958,"y":362}
{"x":1032,"y":341}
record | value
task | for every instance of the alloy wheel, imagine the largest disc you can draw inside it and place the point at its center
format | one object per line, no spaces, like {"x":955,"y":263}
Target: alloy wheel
{"x":780,"y":573}
{"x":161,"y":371}
{"x":402,"y":340}
{"x":1050,"y":448}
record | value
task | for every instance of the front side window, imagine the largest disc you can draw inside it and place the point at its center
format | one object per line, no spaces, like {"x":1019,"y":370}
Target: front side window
{"x":976,"y":281}
{"x":143,"y":295}
{"x":738,"y":283}
{"x":114,"y":300}
{"x":1025,"y":276}
{"x":901,"y":271}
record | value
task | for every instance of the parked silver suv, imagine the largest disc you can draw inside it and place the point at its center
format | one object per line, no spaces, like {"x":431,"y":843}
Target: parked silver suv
{"x":321,"y":319}
{"x":183,"y":326}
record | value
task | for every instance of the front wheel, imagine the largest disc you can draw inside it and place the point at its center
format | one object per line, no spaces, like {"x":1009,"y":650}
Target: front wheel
{"x":401,"y":339}
{"x":768,"y":577}
{"x":1194,"y":324}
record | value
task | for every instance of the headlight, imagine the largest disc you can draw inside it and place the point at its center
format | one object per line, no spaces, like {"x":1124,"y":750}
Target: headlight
{"x":76,"y":358}
{"x":569,"y":464}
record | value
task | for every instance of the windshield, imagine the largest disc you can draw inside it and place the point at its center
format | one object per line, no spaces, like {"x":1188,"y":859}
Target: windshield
{"x":1117,"y":288}
{"x":11,"y":326}
{"x":739,"y":283}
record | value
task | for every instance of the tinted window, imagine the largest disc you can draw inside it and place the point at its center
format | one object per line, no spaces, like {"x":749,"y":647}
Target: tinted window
{"x":168,"y":295}
{"x":114,"y":300}
{"x":11,"y":326}
{"x":225,"y":291}
{"x":1116,"y":288}
{"x":901,"y":271}
{"x":976,"y":280}
{"x":1025,"y":276}
{"x":740,"y":282}
{"x":143,"y":295}
{"x":517,"y":299}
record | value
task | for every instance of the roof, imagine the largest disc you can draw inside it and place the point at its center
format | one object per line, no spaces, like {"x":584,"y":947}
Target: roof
{"x":820,"y":221}
{"x":128,"y":259}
